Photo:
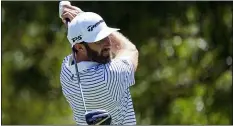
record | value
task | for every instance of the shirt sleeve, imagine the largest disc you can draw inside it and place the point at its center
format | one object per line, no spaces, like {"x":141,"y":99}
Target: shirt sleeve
{"x":65,"y":78}
{"x":119,"y":75}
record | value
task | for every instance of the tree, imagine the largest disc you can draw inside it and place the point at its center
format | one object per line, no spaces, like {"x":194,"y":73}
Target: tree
{"x":184,"y":74}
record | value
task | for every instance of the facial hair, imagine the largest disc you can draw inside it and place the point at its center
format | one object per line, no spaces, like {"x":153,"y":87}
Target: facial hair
{"x":96,"y":57}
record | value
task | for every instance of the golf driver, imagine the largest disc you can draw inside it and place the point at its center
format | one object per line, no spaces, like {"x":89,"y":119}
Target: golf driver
{"x":94,"y":117}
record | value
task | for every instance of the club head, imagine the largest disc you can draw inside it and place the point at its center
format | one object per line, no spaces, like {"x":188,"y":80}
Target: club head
{"x":98,"y":117}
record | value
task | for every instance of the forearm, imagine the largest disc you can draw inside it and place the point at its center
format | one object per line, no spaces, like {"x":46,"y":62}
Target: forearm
{"x":120,"y":43}
{"x":122,"y":47}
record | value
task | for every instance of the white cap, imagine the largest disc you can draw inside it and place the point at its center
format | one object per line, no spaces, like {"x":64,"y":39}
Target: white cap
{"x":88,"y":27}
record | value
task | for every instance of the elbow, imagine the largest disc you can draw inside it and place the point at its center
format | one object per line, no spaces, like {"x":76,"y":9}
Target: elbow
{"x":136,"y":52}
{"x":136,"y":55}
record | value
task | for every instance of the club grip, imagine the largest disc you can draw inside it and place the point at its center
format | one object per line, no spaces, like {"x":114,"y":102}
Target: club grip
{"x":67,"y":20}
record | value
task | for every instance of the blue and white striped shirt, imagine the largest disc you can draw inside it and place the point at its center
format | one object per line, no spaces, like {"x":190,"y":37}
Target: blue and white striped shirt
{"x":105,"y":86}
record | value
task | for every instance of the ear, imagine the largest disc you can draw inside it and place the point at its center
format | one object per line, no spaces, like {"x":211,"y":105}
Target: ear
{"x":79,"y":47}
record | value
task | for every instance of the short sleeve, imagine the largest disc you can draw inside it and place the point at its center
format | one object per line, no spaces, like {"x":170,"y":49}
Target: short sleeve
{"x":128,"y":72}
{"x":120,"y":74}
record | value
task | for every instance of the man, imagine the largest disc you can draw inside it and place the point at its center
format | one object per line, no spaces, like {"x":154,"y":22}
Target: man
{"x":105,"y":80}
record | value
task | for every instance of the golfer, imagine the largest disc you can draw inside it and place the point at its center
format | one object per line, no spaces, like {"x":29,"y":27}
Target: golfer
{"x":106,"y":62}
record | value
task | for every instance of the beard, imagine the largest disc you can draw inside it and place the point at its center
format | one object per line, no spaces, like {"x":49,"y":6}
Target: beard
{"x":98,"y":57}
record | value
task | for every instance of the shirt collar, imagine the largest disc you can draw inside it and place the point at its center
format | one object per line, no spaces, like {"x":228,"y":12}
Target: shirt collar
{"x":83,"y":65}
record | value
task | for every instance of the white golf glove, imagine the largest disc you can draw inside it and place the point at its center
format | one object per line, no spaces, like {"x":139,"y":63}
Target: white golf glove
{"x":66,"y":10}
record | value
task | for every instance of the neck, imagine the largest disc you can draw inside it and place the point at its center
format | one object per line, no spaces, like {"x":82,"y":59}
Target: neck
{"x":79,"y":58}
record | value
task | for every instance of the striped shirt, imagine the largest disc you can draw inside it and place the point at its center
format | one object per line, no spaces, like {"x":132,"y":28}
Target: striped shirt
{"x":105,"y":86}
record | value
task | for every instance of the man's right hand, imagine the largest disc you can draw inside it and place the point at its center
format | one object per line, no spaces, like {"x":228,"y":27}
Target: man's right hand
{"x":69,"y":12}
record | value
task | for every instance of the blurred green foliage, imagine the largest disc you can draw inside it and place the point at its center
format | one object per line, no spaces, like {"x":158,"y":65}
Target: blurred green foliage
{"x":184,"y":74}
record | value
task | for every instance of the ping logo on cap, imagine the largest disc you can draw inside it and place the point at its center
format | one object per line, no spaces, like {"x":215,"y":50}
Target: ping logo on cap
{"x":77,"y":38}
{"x":91,"y":27}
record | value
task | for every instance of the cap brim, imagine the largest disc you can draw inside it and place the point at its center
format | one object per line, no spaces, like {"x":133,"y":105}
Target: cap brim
{"x":101,"y":35}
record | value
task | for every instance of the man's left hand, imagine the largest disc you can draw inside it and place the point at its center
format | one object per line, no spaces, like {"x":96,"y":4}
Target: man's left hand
{"x":69,"y":12}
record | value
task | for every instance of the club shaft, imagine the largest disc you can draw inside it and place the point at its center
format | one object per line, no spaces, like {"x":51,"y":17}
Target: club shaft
{"x":80,"y":85}
{"x":76,"y":68}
